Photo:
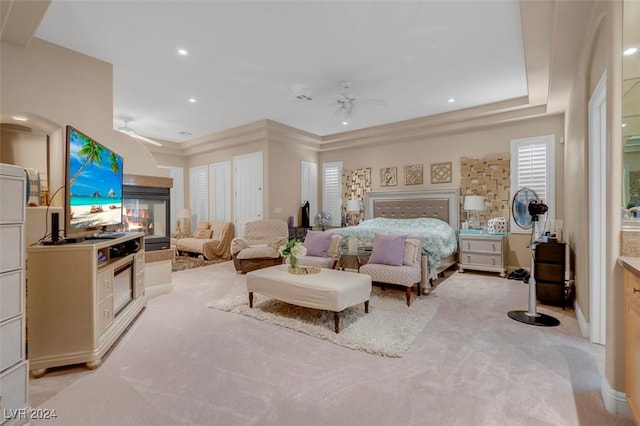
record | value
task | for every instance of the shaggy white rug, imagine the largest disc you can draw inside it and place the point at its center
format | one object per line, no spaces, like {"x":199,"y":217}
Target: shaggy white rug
{"x":387,"y":330}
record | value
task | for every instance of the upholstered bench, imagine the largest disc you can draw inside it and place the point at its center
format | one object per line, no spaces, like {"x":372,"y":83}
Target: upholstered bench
{"x":328,"y":289}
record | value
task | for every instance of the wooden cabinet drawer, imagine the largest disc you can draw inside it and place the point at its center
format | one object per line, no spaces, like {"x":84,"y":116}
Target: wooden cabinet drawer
{"x":490,"y":246}
{"x":482,"y":259}
{"x":105,"y":314}
{"x":11,"y":294}
{"x":11,"y":342}
{"x":11,"y":247}
{"x":139,"y":262}
{"x":13,"y":388}
{"x":105,"y":284}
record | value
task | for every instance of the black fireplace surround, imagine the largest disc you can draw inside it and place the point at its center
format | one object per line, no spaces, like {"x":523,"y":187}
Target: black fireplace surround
{"x":147,"y":210}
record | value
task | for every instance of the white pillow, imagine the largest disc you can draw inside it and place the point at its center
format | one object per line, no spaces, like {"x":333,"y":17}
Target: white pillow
{"x":412,"y":252}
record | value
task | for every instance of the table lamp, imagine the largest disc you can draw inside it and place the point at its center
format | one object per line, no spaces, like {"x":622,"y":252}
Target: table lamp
{"x":474,"y":204}
{"x":185,"y":215}
{"x":352,"y":207}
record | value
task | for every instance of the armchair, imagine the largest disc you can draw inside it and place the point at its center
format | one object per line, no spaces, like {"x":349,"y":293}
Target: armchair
{"x":396,"y":260}
{"x":322,"y":249}
{"x":258,"y":247}
{"x":212,"y":240}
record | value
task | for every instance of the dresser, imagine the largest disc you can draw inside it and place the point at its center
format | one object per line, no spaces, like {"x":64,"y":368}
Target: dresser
{"x":483,"y":252}
{"x":550,"y":266}
{"x":632,"y":333}
{"x":13,"y":364}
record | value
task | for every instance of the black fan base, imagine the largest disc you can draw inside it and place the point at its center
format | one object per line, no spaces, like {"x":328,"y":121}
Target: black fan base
{"x":541,"y":320}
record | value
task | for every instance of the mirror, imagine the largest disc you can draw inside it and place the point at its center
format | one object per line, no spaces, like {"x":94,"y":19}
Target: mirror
{"x":631,"y":112}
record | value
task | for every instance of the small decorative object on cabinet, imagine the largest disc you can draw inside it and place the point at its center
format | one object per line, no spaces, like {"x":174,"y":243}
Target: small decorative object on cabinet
{"x":82,"y":297}
{"x":14,"y":395}
{"x":482,"y":252}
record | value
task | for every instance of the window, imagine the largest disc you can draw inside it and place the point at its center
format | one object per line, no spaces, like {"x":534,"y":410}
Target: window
{"x":332,"y":191}
{"x":198,"y":198}
{"x":533,"y":167}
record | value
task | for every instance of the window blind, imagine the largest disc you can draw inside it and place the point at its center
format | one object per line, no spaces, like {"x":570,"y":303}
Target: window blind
{"x":533,"y":167}
{"x":198,"y":195}
{"x":332,"y":191}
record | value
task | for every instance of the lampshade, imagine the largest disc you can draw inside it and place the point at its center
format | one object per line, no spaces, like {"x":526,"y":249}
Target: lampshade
{"x":474,"y":203}
{"x":184,"y":213}
{"x":353,"y":205}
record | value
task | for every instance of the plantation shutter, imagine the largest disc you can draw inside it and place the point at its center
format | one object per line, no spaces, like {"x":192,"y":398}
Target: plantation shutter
{"x":198,"y":199}
{"x":533,"y":167}
{"x":332,"y":191}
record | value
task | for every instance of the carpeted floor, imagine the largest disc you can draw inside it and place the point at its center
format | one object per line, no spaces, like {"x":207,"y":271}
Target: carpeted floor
{"x":182,"y":363}
{"x":180,"y":263}
{"x":388,"y":329}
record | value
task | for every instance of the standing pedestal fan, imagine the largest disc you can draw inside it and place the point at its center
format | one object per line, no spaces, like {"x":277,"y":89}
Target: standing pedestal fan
{"x":525,"y":209}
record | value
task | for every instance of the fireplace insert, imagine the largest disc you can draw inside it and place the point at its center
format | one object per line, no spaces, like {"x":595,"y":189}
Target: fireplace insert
{"x":147,"y":209}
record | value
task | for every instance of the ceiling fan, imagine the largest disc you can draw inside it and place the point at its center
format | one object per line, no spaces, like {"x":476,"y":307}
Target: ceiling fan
{"x":132,"y":133}
{"x":348,"y":103}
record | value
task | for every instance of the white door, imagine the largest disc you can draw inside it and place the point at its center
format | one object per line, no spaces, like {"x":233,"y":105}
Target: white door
{"x":309,"y":185}
{"x":597,"y":211}
{"x":220,"y":191}
{"x":248,"y":189}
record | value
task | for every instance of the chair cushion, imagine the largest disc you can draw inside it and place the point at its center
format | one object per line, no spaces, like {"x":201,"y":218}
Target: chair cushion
{"x":318,"y":262}
{"x":401,"y":275}
{"x":388,"y":249}
{"x":317,"y":243}
{"x":258,"y":252}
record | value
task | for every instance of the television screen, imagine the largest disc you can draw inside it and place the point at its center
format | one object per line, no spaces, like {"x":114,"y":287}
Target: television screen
{"x":94,"y":185}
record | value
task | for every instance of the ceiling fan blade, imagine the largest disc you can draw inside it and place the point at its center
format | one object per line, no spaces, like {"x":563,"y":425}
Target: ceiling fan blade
{"x":142,"y":138}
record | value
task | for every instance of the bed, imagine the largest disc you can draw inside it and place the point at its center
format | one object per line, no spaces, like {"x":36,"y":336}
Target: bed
{"x":431,"y":215}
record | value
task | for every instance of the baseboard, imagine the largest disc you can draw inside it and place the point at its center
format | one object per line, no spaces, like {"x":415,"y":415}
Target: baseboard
{"x":614,"y":401}
{"x":157,"y":290}
{"x":582,"y":322}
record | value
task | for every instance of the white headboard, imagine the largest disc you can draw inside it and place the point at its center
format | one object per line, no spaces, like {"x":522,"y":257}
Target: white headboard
{"x":439,"y":203}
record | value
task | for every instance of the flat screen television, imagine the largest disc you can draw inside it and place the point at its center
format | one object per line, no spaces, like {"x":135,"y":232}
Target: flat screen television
{"x":94,"y":175}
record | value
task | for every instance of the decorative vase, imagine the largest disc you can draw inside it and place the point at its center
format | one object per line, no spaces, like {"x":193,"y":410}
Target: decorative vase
{"x":293,"y":262}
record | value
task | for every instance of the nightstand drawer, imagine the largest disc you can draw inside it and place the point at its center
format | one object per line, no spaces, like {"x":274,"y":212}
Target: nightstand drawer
{"x":482,"y":259}
{"x":484,"y":245}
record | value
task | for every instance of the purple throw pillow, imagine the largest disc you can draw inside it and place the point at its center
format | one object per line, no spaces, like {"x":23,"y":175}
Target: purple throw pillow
{"x":317,"y":243}
{"x":388,"y":249}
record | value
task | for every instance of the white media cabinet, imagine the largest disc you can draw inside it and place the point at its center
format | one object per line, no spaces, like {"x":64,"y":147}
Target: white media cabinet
{"x":81,"y":297}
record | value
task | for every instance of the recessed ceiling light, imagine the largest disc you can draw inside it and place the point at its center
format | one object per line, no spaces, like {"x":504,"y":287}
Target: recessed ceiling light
{"x":624,"y":124}
{"x":183,"y":52}
{"x":451,"y":100}
{"x":19,"y":118}
{"x":630,"y":51}
{"x":193,"y":100}
{"x":345,"y":123}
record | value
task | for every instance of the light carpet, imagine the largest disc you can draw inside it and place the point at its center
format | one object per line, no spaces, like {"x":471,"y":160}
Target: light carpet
{"x":181,"y":263}
{"x":387,"y":330}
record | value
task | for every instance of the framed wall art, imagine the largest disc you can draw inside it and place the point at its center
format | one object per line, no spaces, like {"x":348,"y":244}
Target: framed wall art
{"x":413,"y":174}
{"x":388,"y":176}
{"x":441,"y":172}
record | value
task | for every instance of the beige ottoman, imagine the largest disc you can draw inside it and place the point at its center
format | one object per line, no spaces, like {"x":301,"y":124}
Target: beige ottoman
{"x":329,"y":289}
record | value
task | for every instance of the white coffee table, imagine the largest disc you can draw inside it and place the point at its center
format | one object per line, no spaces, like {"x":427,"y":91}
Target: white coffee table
{"x":329,"y":289}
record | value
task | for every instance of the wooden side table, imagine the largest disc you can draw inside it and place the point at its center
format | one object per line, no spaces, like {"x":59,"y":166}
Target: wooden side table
{"x":483,"y":252}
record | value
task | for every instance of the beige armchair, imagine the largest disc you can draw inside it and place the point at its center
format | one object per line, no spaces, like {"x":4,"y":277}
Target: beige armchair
{"x":212,"y":240}
{"x":258,"y":247}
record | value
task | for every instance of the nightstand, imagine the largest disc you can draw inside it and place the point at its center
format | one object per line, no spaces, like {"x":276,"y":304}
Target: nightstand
{"x":483,"y":252}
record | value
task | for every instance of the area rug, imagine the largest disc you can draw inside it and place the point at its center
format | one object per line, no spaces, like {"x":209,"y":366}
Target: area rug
{"x":180,"y":263}
{"x":388,"y":329}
